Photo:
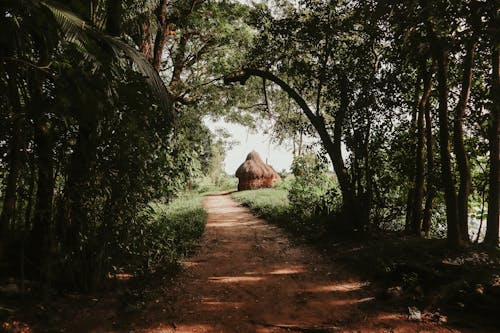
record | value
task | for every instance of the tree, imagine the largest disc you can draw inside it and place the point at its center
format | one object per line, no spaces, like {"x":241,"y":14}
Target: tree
{"x":492,"y":229}
{"x":335,"y":67}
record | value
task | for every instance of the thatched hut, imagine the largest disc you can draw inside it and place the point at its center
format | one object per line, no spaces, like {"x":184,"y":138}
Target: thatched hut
{"x":276,"y":176}
{"x":254,"y":173}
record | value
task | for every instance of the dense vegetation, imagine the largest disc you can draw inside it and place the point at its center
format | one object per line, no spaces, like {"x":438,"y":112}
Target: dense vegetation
{"x":384,"y":81}
{"x":99,"y":118}
{"x":102,"y":105}
{"x":166,"y":234}
{"x":409,"y":270}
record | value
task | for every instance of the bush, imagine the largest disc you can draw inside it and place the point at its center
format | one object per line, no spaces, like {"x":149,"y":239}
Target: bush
{"x":164,"y":234}
{"x":313,"y":193}
{"x":304,"y":203}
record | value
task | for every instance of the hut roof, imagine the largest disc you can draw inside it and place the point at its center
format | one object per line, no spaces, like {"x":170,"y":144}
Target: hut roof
{"x":254,"y":167}
{"x":276,"y":175}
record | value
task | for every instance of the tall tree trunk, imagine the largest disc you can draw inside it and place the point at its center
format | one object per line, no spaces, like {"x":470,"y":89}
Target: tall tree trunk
{"x":41,"y":237}
{"x":161,"y":34}
{"x":430,"y":188}
{"x":74,"y":226}
{"x":411,"y":179}
{"x":420,"y":156}
{"x":409,"y":207}
{"x":368,"y":194}
{"x":334,"y":148}
{"x":41,"y":234}
{"x":147,"y":41}
{"x":492,"y":226}
{"x":453,"y":232}
{"x":79,"y":178}
{"x":178,"y":65}
{"x":10,"y":198}
{"x":458,"y":142}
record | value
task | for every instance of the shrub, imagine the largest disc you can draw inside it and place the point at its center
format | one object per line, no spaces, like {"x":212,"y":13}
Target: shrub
{"x":165,"y":233}
{"x":313,"y":192}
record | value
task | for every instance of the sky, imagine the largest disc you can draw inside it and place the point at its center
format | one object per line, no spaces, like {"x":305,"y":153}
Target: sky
{"x":279,"y":156}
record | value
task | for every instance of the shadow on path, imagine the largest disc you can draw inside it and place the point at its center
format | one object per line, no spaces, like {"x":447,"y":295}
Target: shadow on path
{"x":248,"y":277}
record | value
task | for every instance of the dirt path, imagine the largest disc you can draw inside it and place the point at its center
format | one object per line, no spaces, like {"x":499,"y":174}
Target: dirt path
{"x":249,"y":277}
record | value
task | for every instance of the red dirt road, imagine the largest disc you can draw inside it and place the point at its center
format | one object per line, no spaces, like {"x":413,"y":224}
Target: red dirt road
{"x":249,"y":277}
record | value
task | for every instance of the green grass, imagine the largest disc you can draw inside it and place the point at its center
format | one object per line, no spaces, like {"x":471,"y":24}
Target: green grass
{"x":205,"y":185}
{"x":166,"y":233}
{"x":271,"y":203}
{"x":274,"y":206}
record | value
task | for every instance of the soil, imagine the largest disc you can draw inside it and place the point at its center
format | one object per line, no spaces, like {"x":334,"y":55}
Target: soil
{"x":247,"y":276}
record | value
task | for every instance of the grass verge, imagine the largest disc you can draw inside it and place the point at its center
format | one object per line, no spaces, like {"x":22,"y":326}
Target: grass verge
{"x":166,"y":233}
{"x":269,"y":203}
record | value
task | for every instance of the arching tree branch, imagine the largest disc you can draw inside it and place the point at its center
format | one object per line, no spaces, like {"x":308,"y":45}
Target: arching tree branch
{"x":332,"y":145}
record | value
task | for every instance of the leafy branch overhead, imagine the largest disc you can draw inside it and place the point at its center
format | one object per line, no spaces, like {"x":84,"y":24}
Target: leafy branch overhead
{"x":77,"y":30}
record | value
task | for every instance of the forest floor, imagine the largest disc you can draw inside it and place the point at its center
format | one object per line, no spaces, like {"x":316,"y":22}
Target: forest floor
{"x":246,"y":276}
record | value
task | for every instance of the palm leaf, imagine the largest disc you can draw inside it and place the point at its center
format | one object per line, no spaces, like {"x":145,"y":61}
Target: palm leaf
{"x":78,"y":31}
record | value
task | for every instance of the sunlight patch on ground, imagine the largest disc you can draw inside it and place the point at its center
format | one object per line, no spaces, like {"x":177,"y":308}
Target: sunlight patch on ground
{"x":351,"y":301}
{"x":188,"y":264}
{"x":233,"y":279}
{"x":233,"y":223}
{"x":346,"y":302}
{"x":288,"y":270}
{"x":390,"y":316}
{"x":339,"y":287}
{"x":233,"y":305}
{"x":120,"y":276}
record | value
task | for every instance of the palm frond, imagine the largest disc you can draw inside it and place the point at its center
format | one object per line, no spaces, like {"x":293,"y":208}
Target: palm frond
{"x":79,"y":31}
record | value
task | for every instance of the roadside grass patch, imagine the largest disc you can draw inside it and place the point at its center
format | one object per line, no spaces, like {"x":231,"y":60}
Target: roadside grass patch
{"x":166,"y":233}
{"x":269,"y":203}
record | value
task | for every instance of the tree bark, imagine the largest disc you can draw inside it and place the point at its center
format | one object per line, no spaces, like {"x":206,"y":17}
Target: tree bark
{"x":411,"y":179}
{"x":420,"y":155}
{"x":458,"y":142}
{"x":74,"y":220}
{"x":492,"y":226}
{"x":147,"y":41}
{"x":453,"y":232}
{"x":430,"y":188}
{"x":41,"y":237}
{"x":178,"y":64}
{"x":161,"y":34}
{"x":41,"y":234}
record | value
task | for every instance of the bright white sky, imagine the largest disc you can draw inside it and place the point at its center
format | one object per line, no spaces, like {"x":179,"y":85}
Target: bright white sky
{"x":279,"y":156}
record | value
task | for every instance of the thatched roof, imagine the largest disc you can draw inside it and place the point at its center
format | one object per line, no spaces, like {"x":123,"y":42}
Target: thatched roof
{"x":276,"y":175}
{"x":254,"y":167}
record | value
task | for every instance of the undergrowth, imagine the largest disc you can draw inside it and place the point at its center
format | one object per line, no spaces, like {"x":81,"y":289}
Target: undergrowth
{"x":166,"y":233}
{"x":409,"y":271}
{"x":268,"y":203}
{"x":275,"y":206}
